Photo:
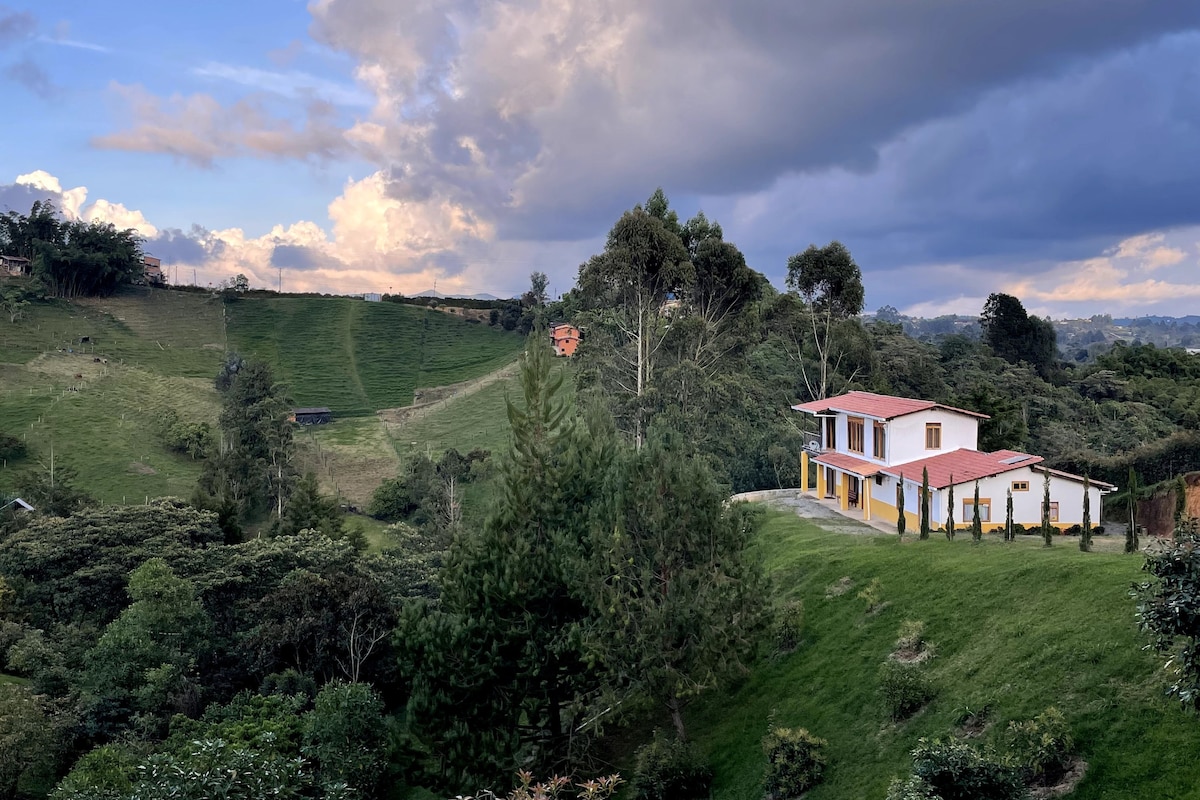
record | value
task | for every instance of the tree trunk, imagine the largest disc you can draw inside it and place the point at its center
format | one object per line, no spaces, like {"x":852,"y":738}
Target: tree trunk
{"x":677,"y":718}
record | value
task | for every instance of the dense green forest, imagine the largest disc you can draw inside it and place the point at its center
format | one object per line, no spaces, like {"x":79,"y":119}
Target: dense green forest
{"x":585,"y":601}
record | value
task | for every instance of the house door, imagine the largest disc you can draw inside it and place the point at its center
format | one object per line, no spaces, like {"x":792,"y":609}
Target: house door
{"x":855,"y":488}
{"x":830,"y":482}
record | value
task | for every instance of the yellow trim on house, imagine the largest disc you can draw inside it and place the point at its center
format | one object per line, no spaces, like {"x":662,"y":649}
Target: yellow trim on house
{"x":844,"y":497}
{"x":804,"y":471}
{"x":886,"y":512}
{"x":820,"y":481}
{"x":866,"y":498}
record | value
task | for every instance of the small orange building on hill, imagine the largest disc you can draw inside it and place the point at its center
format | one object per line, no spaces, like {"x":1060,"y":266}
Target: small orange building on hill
{"x":565,"y":338}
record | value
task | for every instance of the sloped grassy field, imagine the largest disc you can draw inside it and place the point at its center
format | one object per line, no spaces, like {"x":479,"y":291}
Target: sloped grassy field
{"x":161,"y":350}
{"x":1015,"y":627}
{"x":357,"y":357}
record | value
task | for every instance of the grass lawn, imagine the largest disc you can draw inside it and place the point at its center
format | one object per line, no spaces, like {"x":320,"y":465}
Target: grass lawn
{"x":357,"y":357}
{"x":1016,"y":627}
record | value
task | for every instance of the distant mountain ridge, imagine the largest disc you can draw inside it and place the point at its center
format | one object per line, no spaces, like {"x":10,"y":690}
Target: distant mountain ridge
{"x":438,"y":295}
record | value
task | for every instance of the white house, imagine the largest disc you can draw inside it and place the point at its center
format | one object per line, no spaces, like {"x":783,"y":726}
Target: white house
{"x":866,"y":445}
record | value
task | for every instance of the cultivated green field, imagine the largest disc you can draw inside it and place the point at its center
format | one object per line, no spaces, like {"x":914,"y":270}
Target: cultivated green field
{"x":161,"y":350}
{"x":357,"y":357}
{"x":1016,"y":627}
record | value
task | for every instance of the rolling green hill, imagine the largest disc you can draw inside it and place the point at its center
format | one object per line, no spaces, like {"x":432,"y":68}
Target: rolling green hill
{"x":1015,"y":628}
{"x":358,"y":357}
{"x":161,"y":350}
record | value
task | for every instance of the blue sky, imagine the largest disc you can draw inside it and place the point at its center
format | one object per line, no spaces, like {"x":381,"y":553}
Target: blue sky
{"x":957,"y":148}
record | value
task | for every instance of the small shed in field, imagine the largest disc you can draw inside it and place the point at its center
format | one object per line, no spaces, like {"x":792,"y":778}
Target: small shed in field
{"x":312,"y":416}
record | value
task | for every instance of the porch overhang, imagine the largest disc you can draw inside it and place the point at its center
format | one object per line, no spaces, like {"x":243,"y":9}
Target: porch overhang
{"x":845,"y":463}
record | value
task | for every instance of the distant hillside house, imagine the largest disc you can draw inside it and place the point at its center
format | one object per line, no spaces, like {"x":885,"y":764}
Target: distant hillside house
{"x":152,"y":270}
{"x":15,"y":266}
{"x":865,"y":445}
{"x":311,"y":416}
{"x":565,"y":338}
{"x":372,"y":297}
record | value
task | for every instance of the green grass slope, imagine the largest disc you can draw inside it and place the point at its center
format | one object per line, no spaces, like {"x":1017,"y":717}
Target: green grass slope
{"x":357,"y":357}
{"x":1015,"y":626}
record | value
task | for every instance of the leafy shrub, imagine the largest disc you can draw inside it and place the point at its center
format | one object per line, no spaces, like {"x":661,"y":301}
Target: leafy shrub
{"x":795,"y":761}
{"x":873,"y":595}
{"x":789,"y":624}
{"x":905,"y":688}
{"x":1019,"y":529}
{"x":953,"y":770}
{"x":1097,"y":530}
{"x":911,"y":636}
{"x":911,"y":789}
{"x":1074,"y":530}
{"x":668,"y":769}
{"x":11,"y":448}
{"x":1042,"y":745}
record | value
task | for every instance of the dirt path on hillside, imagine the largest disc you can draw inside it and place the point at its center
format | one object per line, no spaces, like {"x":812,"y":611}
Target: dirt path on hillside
{"x":437,"y":398}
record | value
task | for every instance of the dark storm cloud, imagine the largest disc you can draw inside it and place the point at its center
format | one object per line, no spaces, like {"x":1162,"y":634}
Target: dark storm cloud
{"x":175,"y":246}
{"x":1045,"y":171}
{"x":301,"y":258}
{"x":20,"y":198}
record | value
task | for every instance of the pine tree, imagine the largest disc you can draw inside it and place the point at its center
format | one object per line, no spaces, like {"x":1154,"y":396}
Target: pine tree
{"x":680,"y":601}
{"x":901,"y":522}
{"x":1009,"y":533}
{"x":498,"y":673}
{"x":950,"y":510}
{"x":976,"y":521}
{"x":925,"y":521}
{"x":1085,"y":530}
{"x":1131,"y":533}
{"x":1047,"y":530}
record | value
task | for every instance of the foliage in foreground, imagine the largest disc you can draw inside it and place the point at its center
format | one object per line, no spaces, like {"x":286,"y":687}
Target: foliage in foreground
{"x":1169,"y":609}
{"x":795,"y":762}
{"x":668,"y":768}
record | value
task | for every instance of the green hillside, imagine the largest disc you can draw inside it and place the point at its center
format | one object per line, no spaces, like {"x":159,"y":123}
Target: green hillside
{"x":358,"y":357}
{"x":161,"y":350}
{"x":1015,"y":627}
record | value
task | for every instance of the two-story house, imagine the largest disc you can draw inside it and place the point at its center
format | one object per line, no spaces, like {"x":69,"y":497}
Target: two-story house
{"x":869,"y":447}
{"x":564,"y":338}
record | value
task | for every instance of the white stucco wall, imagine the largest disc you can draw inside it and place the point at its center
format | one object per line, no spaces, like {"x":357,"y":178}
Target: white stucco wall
{"x":1027,"y":506}
{"x":906,"y":435}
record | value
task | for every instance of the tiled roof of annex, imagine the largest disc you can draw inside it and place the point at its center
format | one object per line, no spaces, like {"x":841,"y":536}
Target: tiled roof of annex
{"x":880,"y":406}
{"x":963,"y":464}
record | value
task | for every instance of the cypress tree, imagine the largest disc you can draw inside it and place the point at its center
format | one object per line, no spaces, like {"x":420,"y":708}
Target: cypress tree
{"x":1047,"y":531}
{"x":901,"y":522}
{"x":950,"y":510}
{"x":976,"y":522}
{"x":1009,"y":533}
{"x":925,"y":522}
{"x":1085,"y":530}
{"x":1131,"y":535}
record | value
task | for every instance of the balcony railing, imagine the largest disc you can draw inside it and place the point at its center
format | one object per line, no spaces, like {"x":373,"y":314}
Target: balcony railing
{"x":812,"y":441}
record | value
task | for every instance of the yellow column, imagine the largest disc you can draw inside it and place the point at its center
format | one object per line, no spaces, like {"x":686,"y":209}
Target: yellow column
{"x":866,"y":484}
{"x":820,"y":481}
{"x":804,"y":471}
{"x":845,"y":497}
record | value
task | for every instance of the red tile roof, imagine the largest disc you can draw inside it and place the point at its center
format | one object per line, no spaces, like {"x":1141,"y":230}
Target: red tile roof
{"x":1107,"y":487}
{"x":863,"y":469}
{"x":880,"y":406}
{"x":965,"y":465}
